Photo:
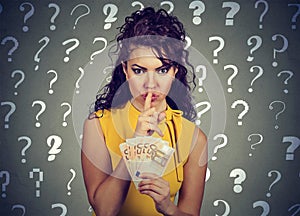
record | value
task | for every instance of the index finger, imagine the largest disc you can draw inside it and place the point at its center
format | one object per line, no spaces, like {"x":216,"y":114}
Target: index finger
{"x":147,"y":104}
{"x":148,"y":175}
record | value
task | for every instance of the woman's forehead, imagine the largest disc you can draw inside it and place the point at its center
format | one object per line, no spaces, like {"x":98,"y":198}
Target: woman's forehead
{"x":142,"y":51}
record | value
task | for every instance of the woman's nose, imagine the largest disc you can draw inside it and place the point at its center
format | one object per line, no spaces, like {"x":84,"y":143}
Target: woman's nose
{"x":150,"y":81}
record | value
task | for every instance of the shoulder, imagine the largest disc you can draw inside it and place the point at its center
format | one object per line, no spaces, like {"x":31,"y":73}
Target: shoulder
{"x":199,"y":135}
{"x":199,"y":138}
{"x":94,"y":121}
{"x":91,"y":123}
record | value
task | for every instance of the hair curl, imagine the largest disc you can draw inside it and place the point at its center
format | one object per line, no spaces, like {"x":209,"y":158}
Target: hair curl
{"x":150,"y":23}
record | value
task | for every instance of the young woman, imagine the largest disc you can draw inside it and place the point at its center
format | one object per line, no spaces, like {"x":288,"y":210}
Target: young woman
{"x":149,"y":95}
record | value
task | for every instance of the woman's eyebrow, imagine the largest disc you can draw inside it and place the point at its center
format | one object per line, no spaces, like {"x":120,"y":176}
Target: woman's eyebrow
{"x":156,"y":69}
{"x":163,"y":66}
{"x":141,"y":67}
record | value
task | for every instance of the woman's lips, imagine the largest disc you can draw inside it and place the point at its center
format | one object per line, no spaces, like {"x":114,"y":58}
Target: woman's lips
{"x":153,"y":97}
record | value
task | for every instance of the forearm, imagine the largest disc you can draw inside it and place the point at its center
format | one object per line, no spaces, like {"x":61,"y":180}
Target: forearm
{"x":111,"y":194}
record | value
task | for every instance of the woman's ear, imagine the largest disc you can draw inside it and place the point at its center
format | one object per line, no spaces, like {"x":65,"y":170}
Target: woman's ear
{"x":175,"y":71}
{"x":124,"y":66}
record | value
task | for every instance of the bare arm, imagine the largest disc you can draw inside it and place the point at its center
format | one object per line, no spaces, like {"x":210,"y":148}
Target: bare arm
{"x":192,"y":190}
{"x":106,"y":188}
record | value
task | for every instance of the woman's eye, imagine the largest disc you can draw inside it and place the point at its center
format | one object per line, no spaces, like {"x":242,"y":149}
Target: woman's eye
{"x":137,"y":71}
{"x":163,"y":70}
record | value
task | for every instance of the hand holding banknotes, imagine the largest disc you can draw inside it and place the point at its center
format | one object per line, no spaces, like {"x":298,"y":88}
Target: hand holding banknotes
{"x":158,"y":189}
{"x":149,"y":119}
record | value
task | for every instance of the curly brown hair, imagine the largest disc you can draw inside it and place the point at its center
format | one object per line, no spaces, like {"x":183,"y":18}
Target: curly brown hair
{"x":165,"y":34}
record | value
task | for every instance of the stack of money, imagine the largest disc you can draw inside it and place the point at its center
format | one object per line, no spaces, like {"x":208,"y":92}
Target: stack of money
{"x":145,"y":154}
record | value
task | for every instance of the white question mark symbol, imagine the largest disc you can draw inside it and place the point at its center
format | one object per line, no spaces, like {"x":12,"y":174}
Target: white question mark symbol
{"x":108,"y":79}
{"x":27,"y":15}
{"x":53,"y":17}
{"x":28,"y":140}
{"x":295,"y":206}
{"x":246,"y":109}
{"x":69,"y":183}
{"x":53,"y":80}
{"x":278,"y":177}
{"x":54,"y":142}
{"x":188,"y":42}
{"x":199,"y":8}
{"x":234,"y":9}
{"x":80,"y":77}
{"x":75,"y":45}
{"x":135,"y":3}
{"x":227,"y":207}
{"x":261,"y":138}
{"x":37,"y":59}
{"x":265,"y":206}
{"x":234,"y":74}
{"x":284,"y":47}
{"x":111,"y":16}
{"x":225,"y":141}
{"x":20,"y":81}
{"x":4,"y":184}
{"x":16,"y":44}
{"x":240,"y":177}
{"x":281,"y":111}
{"x":90,"y":209}
{"x":290,"y":73}
{"x":43,"y":108}
{"x":207,"y":176}
{"x":199,"y":114}
{"x":257,"y":45}
{"x":203,"y":77}
{"x":62,"y":206}
{"x":266,"y":8}
{"x":38,"y":182}
{"x":294,"y":18}
{"x":168,"y":3}
{"x":82,"y":15}
{"x":98,"y":51}
{"x":219,"y":48}
{"x":295,"y":143}
{"x":11,"y":111}
{"x":65,"y":124}
{"x":18,"y":206}
{"x":259,"y":74}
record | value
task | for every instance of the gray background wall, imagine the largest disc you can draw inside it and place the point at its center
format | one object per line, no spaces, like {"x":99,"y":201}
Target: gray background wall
{"x":50,"y":182}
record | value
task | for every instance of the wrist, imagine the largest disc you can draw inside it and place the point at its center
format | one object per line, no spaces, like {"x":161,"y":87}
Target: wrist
{"x":171,"y":210}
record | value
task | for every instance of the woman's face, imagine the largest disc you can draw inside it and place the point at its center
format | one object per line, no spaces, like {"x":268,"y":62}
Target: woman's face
{"x":146,"y":73}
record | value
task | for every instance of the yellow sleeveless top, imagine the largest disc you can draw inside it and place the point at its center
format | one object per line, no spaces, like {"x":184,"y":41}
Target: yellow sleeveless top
{"x":119,"y":124}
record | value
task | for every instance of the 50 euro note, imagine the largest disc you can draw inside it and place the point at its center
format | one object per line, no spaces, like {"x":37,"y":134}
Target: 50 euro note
{"x":145,"y":154}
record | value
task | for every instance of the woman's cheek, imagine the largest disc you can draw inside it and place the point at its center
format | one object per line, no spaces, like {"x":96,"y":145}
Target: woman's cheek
{"x":135,"y":88}
{"x":165,"y":86}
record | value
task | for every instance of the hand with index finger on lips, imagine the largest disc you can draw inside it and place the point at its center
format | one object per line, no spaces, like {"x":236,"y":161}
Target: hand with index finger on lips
{"x":149,"y":119}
